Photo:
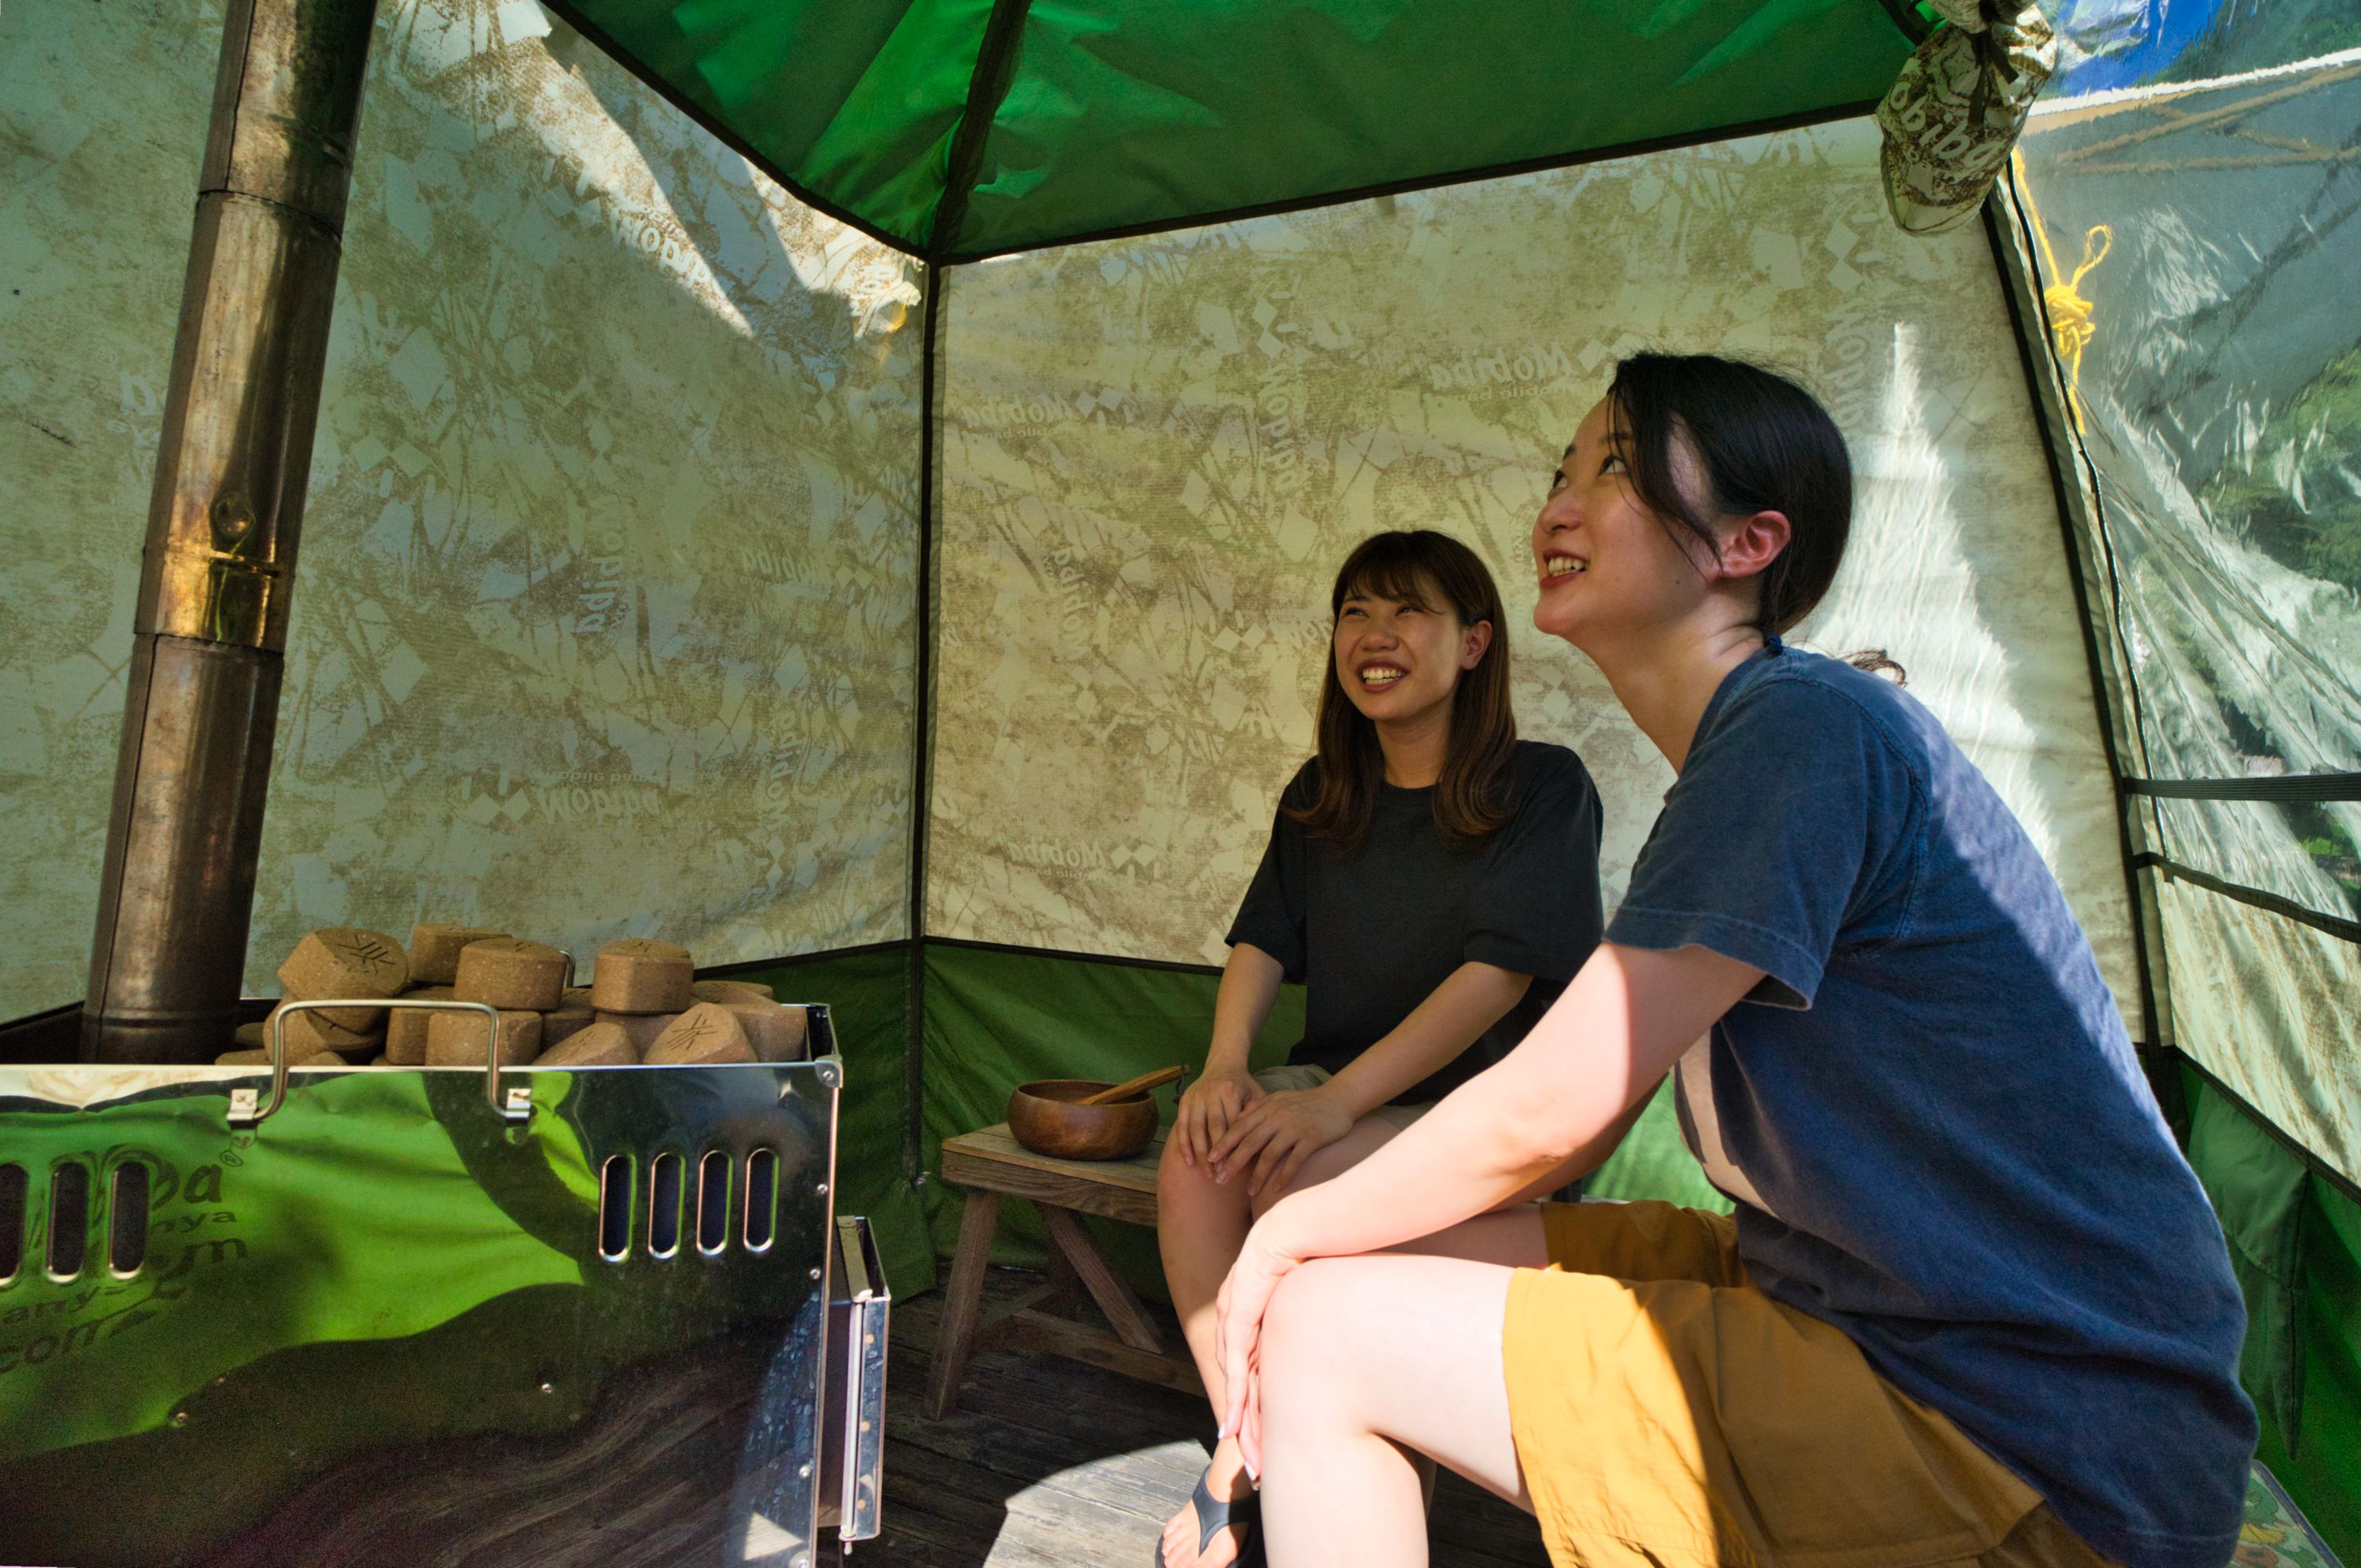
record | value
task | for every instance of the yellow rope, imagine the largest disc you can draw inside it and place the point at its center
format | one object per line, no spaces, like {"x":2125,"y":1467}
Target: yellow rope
{"x":2071,"y":322}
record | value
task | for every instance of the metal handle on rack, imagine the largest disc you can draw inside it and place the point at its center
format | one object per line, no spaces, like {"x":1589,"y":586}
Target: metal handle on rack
{"x":515,"y":1106}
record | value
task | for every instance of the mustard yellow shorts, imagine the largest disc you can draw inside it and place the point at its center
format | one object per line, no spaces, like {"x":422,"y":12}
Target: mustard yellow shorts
{"x":1303,"y":1075}
{"x":1668,"y":1414}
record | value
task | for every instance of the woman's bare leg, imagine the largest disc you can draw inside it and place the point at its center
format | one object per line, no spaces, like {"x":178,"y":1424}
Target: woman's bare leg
{"x":1513,"y":1238}
{"x":1366,"y":1362}
{"x":1201,"y":1224}
{"x":1367,"y":1135}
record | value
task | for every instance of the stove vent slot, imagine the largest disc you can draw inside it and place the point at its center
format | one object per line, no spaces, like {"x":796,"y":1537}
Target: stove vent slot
{"x":615,"y":1208}
{"x":727,"y":1197}
{"x":761,"y":1199}
{"x":713,"y":1204}
{"x":664,"y":1206}
{"x":126,"y":1219}
{"x":13,"y":1187}
{"x":69,"y":1220}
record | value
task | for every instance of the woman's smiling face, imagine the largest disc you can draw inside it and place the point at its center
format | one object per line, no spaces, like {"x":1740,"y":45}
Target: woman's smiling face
{"x":1607,"y":564}
{"x":1402,"y":659}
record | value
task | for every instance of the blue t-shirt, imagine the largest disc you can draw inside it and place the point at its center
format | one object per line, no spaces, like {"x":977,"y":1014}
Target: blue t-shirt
{"x":1929,"y":1114}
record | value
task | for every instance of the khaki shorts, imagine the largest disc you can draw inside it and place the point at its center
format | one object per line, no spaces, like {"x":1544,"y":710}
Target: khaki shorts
{"x":1276,"y":1080}
{"x":1667,"y":1414}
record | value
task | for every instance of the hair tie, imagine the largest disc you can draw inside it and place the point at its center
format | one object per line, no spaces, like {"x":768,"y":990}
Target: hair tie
{"x":1772,"y":646}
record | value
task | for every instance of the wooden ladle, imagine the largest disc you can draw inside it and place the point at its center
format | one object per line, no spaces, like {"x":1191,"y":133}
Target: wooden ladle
{"x":1131,"y":1086}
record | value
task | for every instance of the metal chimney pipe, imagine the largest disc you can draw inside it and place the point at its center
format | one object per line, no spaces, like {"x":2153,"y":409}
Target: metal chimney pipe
{"x":186,"y":828}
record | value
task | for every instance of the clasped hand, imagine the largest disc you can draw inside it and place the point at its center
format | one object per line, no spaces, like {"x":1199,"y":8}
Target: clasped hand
{"x":1271,"y":1138}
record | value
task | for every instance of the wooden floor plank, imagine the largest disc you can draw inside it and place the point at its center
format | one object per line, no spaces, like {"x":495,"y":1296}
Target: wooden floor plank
{"x":1050,"y":1464}
{"x":1150,"y":1483}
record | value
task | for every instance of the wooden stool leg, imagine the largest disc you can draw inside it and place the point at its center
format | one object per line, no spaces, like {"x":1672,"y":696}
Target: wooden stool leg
{"x":955,"y":1337}
{"x":1065,"y":1285}
{"x":1107,"y":1288}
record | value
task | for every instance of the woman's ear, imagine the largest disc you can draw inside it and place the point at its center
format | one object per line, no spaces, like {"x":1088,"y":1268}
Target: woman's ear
{"x":1751,"y":547}
{"x":1474,"y":641}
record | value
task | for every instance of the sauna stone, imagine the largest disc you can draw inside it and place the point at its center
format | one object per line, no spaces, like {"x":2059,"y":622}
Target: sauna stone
{"x":564,"y":1021}
{"x":731,"y":991}
{"x":775,"y":1033}
{"x":435,"y":950}
{"x":405,"y":1027}
{"x":600,"y":1044}
{"x":707,"y":1034}
{"x":642,"y":1029}
{"x":456,"y":1040}
{"x":262,"y":1058}
{"x":345,"y":961}
{"x":314,"y":1030}
{"x":640,"y":974}
{"x":511,"y":974}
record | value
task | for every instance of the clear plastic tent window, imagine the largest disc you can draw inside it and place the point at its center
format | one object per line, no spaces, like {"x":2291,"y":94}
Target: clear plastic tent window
{"x":2197,"y":251}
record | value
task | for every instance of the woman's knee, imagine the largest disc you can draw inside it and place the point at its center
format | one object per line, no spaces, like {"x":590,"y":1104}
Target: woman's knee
{"x":1307,"y":1323}
{"x":1184,"y":1188}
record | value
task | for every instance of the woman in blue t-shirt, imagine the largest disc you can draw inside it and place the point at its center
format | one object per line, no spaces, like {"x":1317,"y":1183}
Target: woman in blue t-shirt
{"x":1971,"y":1305}
{"x":1432,"y":883}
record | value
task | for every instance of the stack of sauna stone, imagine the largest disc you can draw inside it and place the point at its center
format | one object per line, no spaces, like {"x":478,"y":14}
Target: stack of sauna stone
{"x":644,"y":1004}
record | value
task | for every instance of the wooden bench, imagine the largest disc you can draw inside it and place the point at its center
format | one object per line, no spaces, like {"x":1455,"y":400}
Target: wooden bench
{"x":992,"y":1164}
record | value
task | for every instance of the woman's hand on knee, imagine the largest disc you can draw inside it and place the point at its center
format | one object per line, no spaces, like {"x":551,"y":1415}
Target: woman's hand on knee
{"x":1276,"y":1134}
{"x":1208,"y":1108}
{"x":1245,"y":1296}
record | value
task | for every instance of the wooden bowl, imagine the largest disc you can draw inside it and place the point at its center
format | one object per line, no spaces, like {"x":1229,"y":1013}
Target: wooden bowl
{"x":1045,"y":1120}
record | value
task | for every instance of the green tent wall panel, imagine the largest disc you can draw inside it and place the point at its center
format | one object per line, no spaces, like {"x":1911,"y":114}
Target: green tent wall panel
{"x":996,"y":1017}
{"x":867,"y":993}
{"x":2295,"y":1238}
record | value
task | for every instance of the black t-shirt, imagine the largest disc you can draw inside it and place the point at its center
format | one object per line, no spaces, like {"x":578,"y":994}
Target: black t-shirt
{"x":1371,"y":936}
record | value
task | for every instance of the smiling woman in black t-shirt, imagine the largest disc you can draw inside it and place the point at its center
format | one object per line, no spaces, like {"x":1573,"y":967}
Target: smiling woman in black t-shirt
{"x":1432,"y":882}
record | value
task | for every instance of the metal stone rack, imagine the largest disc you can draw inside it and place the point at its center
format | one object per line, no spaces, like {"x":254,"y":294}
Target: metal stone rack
{"x":220,"y":1287}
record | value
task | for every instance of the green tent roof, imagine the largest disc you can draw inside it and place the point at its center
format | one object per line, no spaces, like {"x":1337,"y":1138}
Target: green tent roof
{"x":959,"y":128}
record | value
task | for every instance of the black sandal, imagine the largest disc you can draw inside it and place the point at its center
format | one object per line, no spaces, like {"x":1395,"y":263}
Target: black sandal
{"x":1215,"y":1515}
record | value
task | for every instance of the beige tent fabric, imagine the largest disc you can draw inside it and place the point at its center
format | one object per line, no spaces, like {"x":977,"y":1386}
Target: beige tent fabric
{"x":1155,"y":452}
{"x":603,"y":619}
{"x":2265,"y":1005}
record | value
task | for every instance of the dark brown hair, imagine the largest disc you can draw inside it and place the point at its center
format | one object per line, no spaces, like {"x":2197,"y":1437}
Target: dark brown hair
{"x":1766,"y":445}
{"x":1417,"y":566}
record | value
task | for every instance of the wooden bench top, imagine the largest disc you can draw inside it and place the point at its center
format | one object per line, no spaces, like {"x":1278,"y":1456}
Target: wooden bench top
{"x":991,"y":1160}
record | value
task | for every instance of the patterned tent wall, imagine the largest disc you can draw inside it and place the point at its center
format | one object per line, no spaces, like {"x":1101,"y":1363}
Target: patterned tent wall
{"x":606,"y":607}
{"x":601,"y":608}
{"x":1154,"y":453}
